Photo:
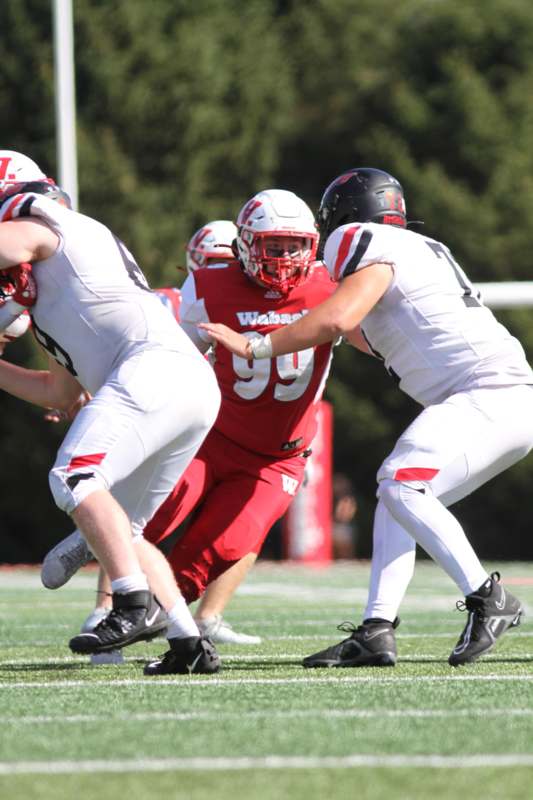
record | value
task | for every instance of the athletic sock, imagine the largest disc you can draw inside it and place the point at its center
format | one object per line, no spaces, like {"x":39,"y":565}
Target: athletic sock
{"x":181,"y":622}
{"x":130,"y":583}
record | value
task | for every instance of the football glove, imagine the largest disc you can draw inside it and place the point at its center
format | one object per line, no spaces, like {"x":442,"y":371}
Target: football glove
{"x":18,"y":292}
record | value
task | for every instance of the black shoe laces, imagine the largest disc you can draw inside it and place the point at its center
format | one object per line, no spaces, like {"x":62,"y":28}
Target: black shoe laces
{"x":348,"y":627}
{"x":113,"y":623}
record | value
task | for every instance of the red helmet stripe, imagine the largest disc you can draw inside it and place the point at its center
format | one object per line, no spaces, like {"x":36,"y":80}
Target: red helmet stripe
{"x":200,"y":236}
{"x":248,"y":210}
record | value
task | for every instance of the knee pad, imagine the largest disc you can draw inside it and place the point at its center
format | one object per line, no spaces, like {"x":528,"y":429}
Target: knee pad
{"x":70,"y":488}
{"x":394,"y":493}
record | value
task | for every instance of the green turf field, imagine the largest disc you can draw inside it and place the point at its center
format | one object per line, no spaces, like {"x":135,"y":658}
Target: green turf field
{"x":264,"y":727}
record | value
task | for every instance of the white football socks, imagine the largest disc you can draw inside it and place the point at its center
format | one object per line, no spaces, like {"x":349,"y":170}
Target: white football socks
{"x":393,"y":562}
{"x":130,"y":583}
{"x":181,"y":622}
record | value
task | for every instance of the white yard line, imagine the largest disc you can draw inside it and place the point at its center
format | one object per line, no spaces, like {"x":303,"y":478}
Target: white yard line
{"x":308,"y":713}
{"x":218,"y":683}
{"x":272,"y":762}
{"x":252,"y":658}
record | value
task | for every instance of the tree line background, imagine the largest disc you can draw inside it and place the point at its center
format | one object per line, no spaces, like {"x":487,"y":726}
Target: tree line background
{"x":186,"y":108}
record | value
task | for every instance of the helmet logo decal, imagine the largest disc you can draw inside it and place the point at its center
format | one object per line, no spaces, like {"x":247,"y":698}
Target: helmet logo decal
{"x":248,"y":210}
{"x":4,"y":177}
{"x":202,"y":233}
{"x":343,"y":178}
{"x":394,"y":200}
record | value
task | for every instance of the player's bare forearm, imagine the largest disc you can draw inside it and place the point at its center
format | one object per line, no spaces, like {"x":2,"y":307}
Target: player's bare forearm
{"x":26,"y":384}
{"x":24,"y":240}
{"x":45,"y":388}
{"x":336,"y":316}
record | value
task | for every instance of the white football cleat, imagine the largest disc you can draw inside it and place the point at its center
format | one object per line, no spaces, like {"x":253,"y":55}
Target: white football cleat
{"x":64,"y":560}
{"x":220,"y":632}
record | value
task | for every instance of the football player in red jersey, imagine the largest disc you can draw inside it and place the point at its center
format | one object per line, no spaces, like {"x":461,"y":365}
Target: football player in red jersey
{"x":253,"y":460}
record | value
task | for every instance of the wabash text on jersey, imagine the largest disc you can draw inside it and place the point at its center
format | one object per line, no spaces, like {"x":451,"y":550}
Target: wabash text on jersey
{"x":268,"y":406}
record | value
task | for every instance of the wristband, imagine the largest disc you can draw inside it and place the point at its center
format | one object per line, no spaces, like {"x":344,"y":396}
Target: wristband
{"x":261,"y":347}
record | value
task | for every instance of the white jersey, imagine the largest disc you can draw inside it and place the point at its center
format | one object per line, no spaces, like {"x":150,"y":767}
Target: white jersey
{"x":430,"y":327}
{"x":94,"y":307}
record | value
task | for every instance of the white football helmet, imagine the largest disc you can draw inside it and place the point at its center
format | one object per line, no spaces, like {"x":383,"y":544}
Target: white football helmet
{"x":210,"y":244}
{"x":17,"y":168}
{"x":277,"y":239}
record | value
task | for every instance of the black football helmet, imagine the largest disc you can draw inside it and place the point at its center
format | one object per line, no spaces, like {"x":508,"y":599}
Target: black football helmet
{"x":361,"y":195}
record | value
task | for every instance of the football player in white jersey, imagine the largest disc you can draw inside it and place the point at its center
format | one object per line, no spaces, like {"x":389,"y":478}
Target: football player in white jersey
{"x":154,"y":398}
{"x":209,"y":245}
{"x":403,"y":298}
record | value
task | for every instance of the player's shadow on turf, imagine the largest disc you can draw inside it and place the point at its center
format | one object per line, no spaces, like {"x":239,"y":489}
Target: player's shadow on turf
{"x":506,"y":660}
{"x":428,"y":660}
{"x":256,"y":665}
{"x":490,"y":660}
{"x":45,"y":667}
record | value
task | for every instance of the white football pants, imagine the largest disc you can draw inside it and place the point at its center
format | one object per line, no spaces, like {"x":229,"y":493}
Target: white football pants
{"x":445,"y":454}
{"x":138,"y":434}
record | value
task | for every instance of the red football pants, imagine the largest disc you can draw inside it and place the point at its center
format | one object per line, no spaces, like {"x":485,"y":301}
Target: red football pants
{"x":238,"y":495}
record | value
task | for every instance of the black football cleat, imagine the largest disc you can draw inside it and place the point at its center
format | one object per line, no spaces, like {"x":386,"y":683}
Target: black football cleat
{"x":193,"y":654}
{"x":372,"y":644}
{"x":491,"y":611}
{"x":135,"y":617}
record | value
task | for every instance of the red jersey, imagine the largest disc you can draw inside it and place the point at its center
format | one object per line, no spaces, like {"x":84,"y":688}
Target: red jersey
{"x":171,"y":298}
{"x":268,"y":405}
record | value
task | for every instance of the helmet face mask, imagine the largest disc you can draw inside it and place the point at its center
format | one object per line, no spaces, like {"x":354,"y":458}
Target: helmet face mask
{"x":276,"y":240}
{"x":211,"y":244}
{"x":361,"y":195}
{"x":46,"y":188}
